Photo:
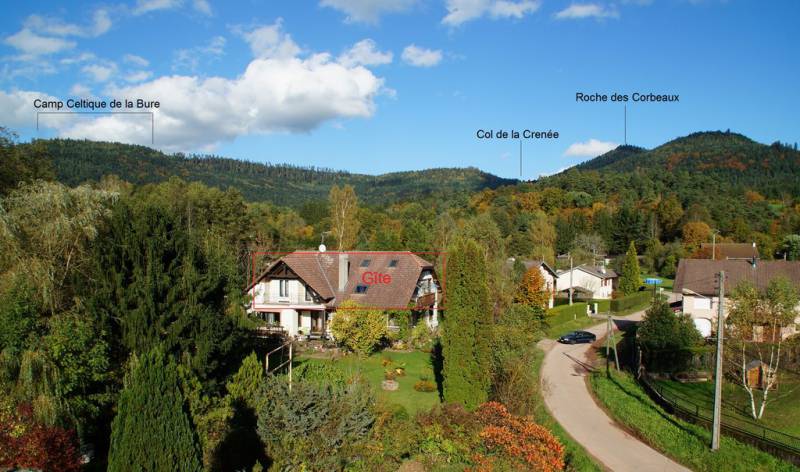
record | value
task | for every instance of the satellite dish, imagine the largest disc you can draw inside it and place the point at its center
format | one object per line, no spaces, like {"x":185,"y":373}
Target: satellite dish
{"x":322,"y":248}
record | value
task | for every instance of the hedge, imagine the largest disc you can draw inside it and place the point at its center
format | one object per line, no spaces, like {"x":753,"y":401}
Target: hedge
{"x":567,"y":311}
{"x":634,"y":300}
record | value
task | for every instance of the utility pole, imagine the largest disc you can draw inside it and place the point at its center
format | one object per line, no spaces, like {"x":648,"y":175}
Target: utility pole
{"x":714,"y":245}
{"x":570,"y":279}
{"x":564,"y":256}
{"x":718,"y":374}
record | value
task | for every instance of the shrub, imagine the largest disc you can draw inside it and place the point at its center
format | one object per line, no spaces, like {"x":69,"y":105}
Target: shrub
{"x":315,"y":426}
{"x":359,"y":330}
{"x":425,"y":386}
{"x":26,"y":443}
{"x":667,"y":338}
{"x":520,"y":441}
{"x":152,"y":428}
{"x":421,"y":336}
{"x":637,"y":299}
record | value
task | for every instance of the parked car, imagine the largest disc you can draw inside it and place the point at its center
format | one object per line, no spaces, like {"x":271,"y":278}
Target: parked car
{"x":576,"y":337}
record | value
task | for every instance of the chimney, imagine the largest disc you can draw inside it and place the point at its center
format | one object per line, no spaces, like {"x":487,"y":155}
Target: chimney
{"x":344,"y":270}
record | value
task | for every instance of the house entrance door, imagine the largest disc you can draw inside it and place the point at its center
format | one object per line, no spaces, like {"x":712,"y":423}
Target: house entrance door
{"x":316,"y":322}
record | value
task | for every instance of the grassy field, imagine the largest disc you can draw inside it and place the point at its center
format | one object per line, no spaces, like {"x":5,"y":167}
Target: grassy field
{"x":684,"y":442}
{"x":576,"y":457}
{"x":782,"y":412}
{"x":417,"y":364}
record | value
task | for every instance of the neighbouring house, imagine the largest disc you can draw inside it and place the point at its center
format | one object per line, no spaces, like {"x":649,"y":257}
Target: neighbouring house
{"x":548,"y":274}
{"x":741,"y":251}
{"x":588,"y":282}
{"x":697,"y":285}
{"x":300,"y":292}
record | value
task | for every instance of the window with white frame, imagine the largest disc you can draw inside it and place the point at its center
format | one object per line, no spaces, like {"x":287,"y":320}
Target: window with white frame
{"x":283,"y":288}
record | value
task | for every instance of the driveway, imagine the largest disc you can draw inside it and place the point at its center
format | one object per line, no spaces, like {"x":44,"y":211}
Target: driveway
{"x":567,"y":397}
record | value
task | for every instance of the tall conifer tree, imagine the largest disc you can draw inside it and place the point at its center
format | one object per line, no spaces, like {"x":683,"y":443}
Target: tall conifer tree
{"x":466,"y":329}
{"x":630,"y":280}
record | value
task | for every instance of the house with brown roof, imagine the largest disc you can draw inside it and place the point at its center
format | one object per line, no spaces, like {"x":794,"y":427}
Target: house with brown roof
{"x":722,"y":251}
{"x":301,"y":291}
{"x":697,"y":285}
{"x":588,"y":282}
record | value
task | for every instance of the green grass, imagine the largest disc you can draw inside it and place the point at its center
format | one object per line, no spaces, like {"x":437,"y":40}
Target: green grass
{"x":417,"y":364}
{"x":684,"y":442}
{"x":666,"y":283}
{"x":782,"y":412}
{"x":576,"y":457}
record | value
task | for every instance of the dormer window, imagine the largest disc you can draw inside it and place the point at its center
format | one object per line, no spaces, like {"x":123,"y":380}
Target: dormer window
{"x":360,"y":288}
{"x":393,"y":263}
{"x":366,"y":262}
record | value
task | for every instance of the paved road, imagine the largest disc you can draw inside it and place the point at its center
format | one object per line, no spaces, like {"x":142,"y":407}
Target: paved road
{"x":567,"y":397}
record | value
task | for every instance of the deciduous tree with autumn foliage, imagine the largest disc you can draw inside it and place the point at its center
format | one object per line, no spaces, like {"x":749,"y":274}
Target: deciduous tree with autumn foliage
{"x":533,"y":289}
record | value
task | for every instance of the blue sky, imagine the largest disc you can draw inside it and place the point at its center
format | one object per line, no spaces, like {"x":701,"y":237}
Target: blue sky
{"x":380,"y":86}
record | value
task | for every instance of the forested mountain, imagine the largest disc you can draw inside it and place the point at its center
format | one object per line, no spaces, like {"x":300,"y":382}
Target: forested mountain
{"x":78,"y":161}
{"x":722,"y":162}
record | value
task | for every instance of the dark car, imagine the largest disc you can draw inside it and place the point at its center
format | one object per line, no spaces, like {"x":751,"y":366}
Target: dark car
{"x":576,"y":337}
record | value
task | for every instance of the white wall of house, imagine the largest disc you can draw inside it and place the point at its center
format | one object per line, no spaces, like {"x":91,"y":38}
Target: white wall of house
{"x":549,"y":284}
{"x":600,"y":288}
{"x":269,"y":293}
{"x":700,"y":307}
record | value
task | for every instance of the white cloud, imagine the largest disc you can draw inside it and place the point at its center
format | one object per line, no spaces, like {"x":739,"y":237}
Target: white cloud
{"x":202,"y":6}
{"x":462,"y":11}
{"x":136,"y":60}
{"x":190,"y":59}
{"x":80,"y":90}
{"x":590,"y":148}
{"x":100,"y":72}
{"x":578,"y":11}
{"x":364,"y":53}
{"x":145,"y":6}
{"x":368,"y":11}
{"x":138,"y":76}
{"x":270,"y":41}
{"x":17,"y":111}
{"x":421,"y":57}
{"x":31,"y":44}
{"x":82,"y":57}
{"x":101,"y":23}
{"x":274,"y":94}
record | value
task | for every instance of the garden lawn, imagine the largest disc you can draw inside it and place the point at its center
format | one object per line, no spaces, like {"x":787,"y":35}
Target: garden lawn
{"x":783,"y":408}
{"x":686,"y":443}
{"x":417,"y":364}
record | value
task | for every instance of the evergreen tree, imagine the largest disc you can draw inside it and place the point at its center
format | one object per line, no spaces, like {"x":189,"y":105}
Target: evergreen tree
{"x":466,"y":329}
{"x":630,"y":281}
{"x":157,"y":285}
{"x":152,"y":430}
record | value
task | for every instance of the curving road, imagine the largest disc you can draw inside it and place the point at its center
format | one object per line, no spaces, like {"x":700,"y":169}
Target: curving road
{"x":567,"y":397}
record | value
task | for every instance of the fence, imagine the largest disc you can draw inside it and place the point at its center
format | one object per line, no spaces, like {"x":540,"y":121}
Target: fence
{"x":775,"y":442}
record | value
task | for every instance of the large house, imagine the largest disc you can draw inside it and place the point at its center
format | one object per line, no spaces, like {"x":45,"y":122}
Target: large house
{"x":588,"y":282}
{"x":696,"y":282}
{"x":548,"y":274}
{"x":301,"y":291}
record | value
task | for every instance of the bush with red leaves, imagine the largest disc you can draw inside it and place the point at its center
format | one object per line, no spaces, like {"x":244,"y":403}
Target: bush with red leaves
{"x":27,"y":443}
